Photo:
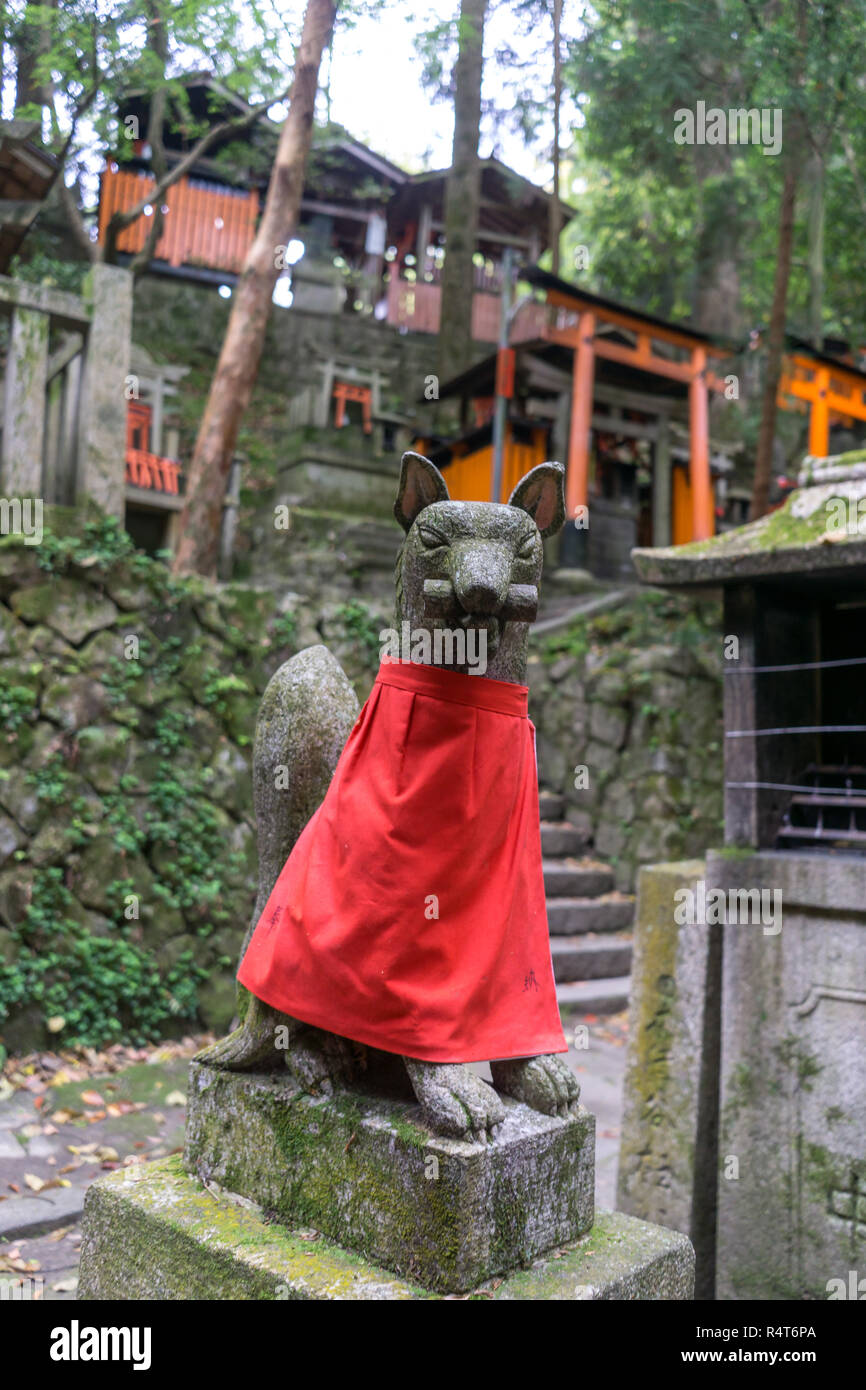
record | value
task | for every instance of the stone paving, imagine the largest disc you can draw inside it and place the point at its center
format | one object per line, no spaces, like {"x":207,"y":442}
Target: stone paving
{"x":88,"y":1127}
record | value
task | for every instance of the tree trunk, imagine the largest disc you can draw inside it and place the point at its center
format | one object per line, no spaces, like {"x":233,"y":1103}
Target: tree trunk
{"x":157,"y":42}
{"x":815,"y":179}
{"x":31,"y":42}
{"x":555,"y":215}
{"x":241,"y":352}
{"x":462,"y":196}
{"x":717,"y":292}
{"x":775,"y":346}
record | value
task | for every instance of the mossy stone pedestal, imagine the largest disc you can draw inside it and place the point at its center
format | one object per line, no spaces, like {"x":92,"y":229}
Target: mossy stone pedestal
{"x":155,"y":1233}
{"x":272,"y":1179}
{"x":364,"y":1170}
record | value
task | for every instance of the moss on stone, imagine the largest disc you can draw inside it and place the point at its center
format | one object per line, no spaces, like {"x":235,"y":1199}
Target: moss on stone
{"x":363,"y":1170}
{"x":157,"y":1233}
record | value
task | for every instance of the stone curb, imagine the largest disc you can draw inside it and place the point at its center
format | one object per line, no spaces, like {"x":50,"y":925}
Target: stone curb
{"x":35,"y":1216}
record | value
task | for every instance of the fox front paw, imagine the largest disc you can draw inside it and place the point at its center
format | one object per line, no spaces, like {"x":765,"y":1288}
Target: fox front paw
{"x":455,"y":1101}
{"x":545,"y":1083}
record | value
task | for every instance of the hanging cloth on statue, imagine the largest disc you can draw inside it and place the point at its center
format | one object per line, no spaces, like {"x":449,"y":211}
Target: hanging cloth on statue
{"x":411,"y":914}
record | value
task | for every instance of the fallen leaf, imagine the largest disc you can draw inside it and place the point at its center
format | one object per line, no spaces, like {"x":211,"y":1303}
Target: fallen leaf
{"x":14,"y":1186}
{"x":60,"y":1233}
{"x":30,"y":1131}
{"x":66,"y":1285}
{"x":35,"y":1184}
{"x":106,"y":1154}
{"x":94,"y":1116}
{"x":92,"y":1098}
{"x":63,"y":1116}
{"x":175,"y":1098}
{"x":83,"y":1148}
{"x":55,"y":1024}
{"x":49,"y":1129}
{"x":12,"y":1264}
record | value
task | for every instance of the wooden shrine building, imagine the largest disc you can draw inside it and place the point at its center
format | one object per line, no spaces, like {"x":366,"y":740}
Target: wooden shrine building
{"x":622,"y":398}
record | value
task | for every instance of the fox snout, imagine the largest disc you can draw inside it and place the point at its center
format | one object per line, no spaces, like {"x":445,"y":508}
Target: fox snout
{"x":442,"y":601}
{"x":480,"y":576}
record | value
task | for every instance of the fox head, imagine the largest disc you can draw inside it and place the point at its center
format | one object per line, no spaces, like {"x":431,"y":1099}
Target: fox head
{"x":474,"y":567}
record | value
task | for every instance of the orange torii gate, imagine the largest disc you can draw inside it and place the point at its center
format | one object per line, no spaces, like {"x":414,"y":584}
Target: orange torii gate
{"x":580,"y":324}
{"x":826,"y":388}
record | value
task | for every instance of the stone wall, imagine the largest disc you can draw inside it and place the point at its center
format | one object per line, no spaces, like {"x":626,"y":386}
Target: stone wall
{"x":185,"y":323}
{"x":628,"y":710}
{"x":127,"y":854}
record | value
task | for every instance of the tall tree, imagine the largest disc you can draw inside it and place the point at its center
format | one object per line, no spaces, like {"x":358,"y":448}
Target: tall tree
{"x":555,"y":211}
{"x":241,"y":351}
{"x":812,"y":52}
{"x":462,"y":195}
{"x":775,"y":345}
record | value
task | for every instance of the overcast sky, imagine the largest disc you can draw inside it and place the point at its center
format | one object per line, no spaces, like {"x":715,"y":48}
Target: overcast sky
{"x":377,"y":91}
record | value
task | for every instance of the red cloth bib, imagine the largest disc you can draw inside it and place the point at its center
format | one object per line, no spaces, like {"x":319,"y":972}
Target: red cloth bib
{"x":410,"y":914}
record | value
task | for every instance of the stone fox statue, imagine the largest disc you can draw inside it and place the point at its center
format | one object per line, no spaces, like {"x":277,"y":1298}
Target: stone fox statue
{"x":401,"y":899}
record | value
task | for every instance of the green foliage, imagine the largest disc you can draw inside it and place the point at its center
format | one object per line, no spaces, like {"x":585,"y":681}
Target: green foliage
{"x":108,"y":983}
{"x":51,"y":780}
{"x":107,"y":989}
{"x":284,"y":630}
{"x":650,"y":615}
{"x":668,"y":224}
{"x":42,"y":268}
{"x":17,"y":705}
{"x":360,"y":625}
{"x":218,"y":687}
{"x":103,"y":543}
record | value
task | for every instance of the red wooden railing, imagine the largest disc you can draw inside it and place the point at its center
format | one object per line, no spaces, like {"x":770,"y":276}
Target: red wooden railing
{"x":144,"y":469}
{"x":148,"y":470}
{"x":416,"y":307}
{"x":205,"y":225}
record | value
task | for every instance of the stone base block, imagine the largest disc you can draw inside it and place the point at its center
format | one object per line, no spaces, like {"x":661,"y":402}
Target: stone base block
{"x":366,"y":1171}
{"x":153,"y":1232}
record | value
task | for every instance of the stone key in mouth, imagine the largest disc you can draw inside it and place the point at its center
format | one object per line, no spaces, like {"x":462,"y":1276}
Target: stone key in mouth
{"x":520,"y":606}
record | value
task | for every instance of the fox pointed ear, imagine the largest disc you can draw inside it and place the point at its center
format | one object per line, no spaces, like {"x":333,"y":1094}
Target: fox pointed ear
{"x":420,"y":484}
{"x":542,"y":494}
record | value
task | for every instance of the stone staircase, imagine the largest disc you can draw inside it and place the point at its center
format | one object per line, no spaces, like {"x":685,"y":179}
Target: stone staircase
{"x":590,"y":923}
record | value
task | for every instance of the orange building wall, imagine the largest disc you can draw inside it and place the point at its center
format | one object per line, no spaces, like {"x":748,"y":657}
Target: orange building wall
{"x":470,"y":478}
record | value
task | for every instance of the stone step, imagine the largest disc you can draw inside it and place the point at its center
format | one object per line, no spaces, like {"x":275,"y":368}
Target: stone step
{"x":594,"y":996}
{"x":559,"y":839}
{"x":576,"y":879}
{"x":590,"y":957}
{"x":550,"y":805}
{"x":569,"y":916}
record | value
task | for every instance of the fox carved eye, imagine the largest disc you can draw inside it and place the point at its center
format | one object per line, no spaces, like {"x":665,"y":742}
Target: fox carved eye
{"x":430,"y":537}
{"x":526,"y":549}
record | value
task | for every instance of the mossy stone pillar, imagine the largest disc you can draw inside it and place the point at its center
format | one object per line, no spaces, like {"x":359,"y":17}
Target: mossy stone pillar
{"x":102,"y":424}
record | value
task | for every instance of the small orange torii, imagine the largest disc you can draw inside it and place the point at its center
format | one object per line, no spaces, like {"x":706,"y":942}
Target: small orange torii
{"x":827,"y":388}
